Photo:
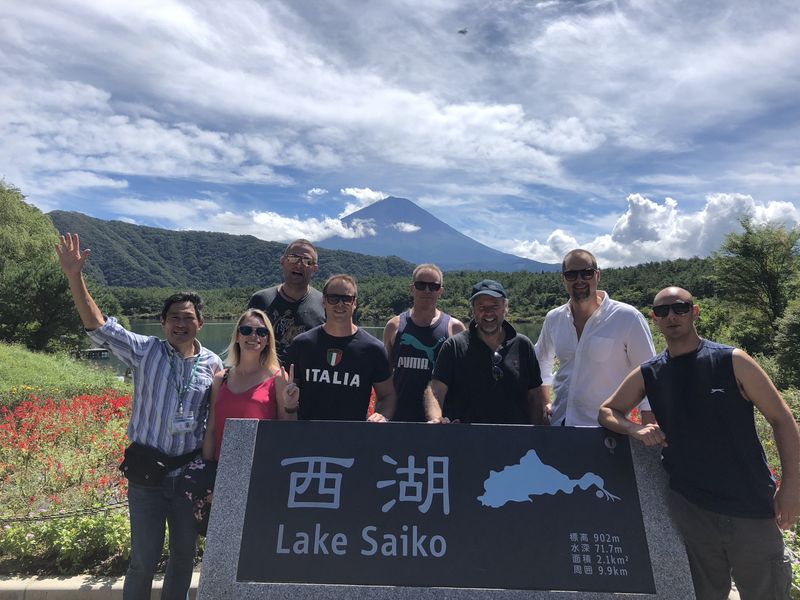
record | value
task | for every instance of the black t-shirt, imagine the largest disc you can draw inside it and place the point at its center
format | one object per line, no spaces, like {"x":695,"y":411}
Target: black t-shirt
{"x":336,"y":374}
{"x":465,"y":366}
{"x":289,"y":319}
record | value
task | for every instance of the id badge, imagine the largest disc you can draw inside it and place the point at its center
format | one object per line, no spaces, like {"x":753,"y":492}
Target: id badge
{"x":182,"y":424}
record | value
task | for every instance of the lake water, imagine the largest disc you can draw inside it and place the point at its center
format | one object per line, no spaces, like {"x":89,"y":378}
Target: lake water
{"x":216,"y":335}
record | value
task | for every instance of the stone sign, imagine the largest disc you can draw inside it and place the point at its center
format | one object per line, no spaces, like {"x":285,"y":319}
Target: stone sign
{"x":351,"y":510}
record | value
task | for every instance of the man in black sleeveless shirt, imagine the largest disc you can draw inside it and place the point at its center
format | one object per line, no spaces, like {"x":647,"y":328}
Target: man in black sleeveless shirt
{"x":723,"y":498}
{"x":413,"y":340}
{"x":293,"y":306}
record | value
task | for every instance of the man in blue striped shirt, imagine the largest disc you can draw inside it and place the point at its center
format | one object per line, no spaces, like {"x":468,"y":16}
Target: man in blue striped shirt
{"x":171,"y":379}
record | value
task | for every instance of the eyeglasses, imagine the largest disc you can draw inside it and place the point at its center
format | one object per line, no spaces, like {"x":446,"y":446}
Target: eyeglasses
{"x":432,"y":287}
{"x":343,"y":298}
{"x":585,"y":274}
{"x":293,"y":259}
{"x":247,"y":330}
{"x":497,"y":371}
{"x":679,"y":308}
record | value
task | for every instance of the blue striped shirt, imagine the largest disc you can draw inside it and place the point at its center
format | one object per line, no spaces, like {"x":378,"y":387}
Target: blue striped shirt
{"x":155,"y":399}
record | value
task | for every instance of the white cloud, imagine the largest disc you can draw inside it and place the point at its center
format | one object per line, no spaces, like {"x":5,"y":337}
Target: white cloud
{"x":69,"y":181}
{"x":671,"y":180}
{"x":558,"y":243}
{"x":431,"y":201}
{"x":70,"y":133}
{"x":203,"y":214}
{"x":364,"y":197}
{"x":314,"y":194}
{"x":487,"y":188}
{"x":566,"y":101}
{"x":769,"y":173}
{"x":649,"y":231}
{"x":405,"y":227}
{"x":177,"y":211}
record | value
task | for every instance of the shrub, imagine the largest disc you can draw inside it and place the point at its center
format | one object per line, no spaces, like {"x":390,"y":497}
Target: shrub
{"x":58,"y":458}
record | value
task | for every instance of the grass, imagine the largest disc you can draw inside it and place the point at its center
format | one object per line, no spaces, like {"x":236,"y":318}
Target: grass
{"x":24,"y":373}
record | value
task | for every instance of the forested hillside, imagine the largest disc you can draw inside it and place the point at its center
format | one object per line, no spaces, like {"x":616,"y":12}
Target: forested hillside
{"x":230,"y":267}
{"x":531,"y":295}
{"x":136,"y":256}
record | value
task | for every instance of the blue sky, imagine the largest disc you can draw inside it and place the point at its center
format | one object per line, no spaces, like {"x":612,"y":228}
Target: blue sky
{"x":641,"y":130}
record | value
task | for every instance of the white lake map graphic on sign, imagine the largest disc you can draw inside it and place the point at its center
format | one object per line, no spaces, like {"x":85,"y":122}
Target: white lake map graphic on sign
{"x":531,"y":477}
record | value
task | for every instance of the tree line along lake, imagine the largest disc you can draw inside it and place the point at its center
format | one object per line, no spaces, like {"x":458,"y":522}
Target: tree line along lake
{"x":216,"y":335}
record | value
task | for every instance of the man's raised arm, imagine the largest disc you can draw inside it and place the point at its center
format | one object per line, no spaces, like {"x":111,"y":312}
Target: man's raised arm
{"x":72,"y":261}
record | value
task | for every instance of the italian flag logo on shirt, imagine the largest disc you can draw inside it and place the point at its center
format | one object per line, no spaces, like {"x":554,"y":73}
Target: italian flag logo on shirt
{"x":333,"y":356}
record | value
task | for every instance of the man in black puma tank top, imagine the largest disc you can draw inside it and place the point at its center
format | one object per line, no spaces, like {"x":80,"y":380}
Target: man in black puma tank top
{"x":413,"y":340}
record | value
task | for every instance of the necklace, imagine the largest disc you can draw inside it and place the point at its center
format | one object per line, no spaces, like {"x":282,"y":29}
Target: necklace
{"x":290,"y":298}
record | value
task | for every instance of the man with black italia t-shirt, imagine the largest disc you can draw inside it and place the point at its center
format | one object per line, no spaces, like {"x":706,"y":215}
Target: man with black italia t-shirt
{"x":337,"y":364}
{"x":293,"y":306}
{"x":722,"y":498}
{"x":413,"y":340}
{"x":488,"y":373}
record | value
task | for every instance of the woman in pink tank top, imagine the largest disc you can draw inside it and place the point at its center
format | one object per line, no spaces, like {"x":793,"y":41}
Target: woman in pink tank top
{"x":252,"y":385}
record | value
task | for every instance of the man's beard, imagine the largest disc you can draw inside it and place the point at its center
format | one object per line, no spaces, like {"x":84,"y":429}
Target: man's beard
{"x":581,"y":295}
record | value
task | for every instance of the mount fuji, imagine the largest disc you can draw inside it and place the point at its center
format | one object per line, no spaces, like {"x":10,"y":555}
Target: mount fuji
{"x":404,"y":229}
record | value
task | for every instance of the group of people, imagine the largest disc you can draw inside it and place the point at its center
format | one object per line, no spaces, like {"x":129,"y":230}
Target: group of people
{"x":296,"y":353}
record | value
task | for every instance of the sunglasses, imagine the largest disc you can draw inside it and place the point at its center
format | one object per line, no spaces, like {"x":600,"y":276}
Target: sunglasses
{"x":343,"y":298}
{"x":497,"y":371}
{"x":247,"y":330}
{"x":679,"y":308}
{"x":430,"y":285}
{"x":293,"y":259}
{"x":586,"y":274}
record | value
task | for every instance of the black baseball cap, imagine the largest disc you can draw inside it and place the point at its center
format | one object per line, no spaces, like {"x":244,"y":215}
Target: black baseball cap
{"x":489,"y":287}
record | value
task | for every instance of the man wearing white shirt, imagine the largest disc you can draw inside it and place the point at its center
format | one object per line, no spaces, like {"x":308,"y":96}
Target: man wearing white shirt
{"x":597,"y":342}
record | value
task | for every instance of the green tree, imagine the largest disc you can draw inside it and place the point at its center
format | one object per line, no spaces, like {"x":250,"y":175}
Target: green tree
{"x":756,"y":268}
{"x":787,"y":342}
{"x":35,"y":304}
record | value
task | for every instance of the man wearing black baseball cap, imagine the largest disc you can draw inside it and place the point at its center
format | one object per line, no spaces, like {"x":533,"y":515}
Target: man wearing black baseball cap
{"x":488,"y":373}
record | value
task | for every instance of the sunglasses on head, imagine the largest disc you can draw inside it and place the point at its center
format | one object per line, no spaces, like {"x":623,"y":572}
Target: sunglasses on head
{"x":336,"y":298}
{"x":585,"y":274}
{"x":679,"y":308}
{"x":247,"y":330}
{"x":432,"y":287}
{"x":293,"y":259}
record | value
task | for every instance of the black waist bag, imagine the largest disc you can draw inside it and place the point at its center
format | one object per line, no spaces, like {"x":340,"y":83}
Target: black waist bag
{"x":147,"y":466}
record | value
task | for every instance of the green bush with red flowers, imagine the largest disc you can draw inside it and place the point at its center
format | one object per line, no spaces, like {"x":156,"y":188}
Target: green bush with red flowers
{"x":62,"y":496}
